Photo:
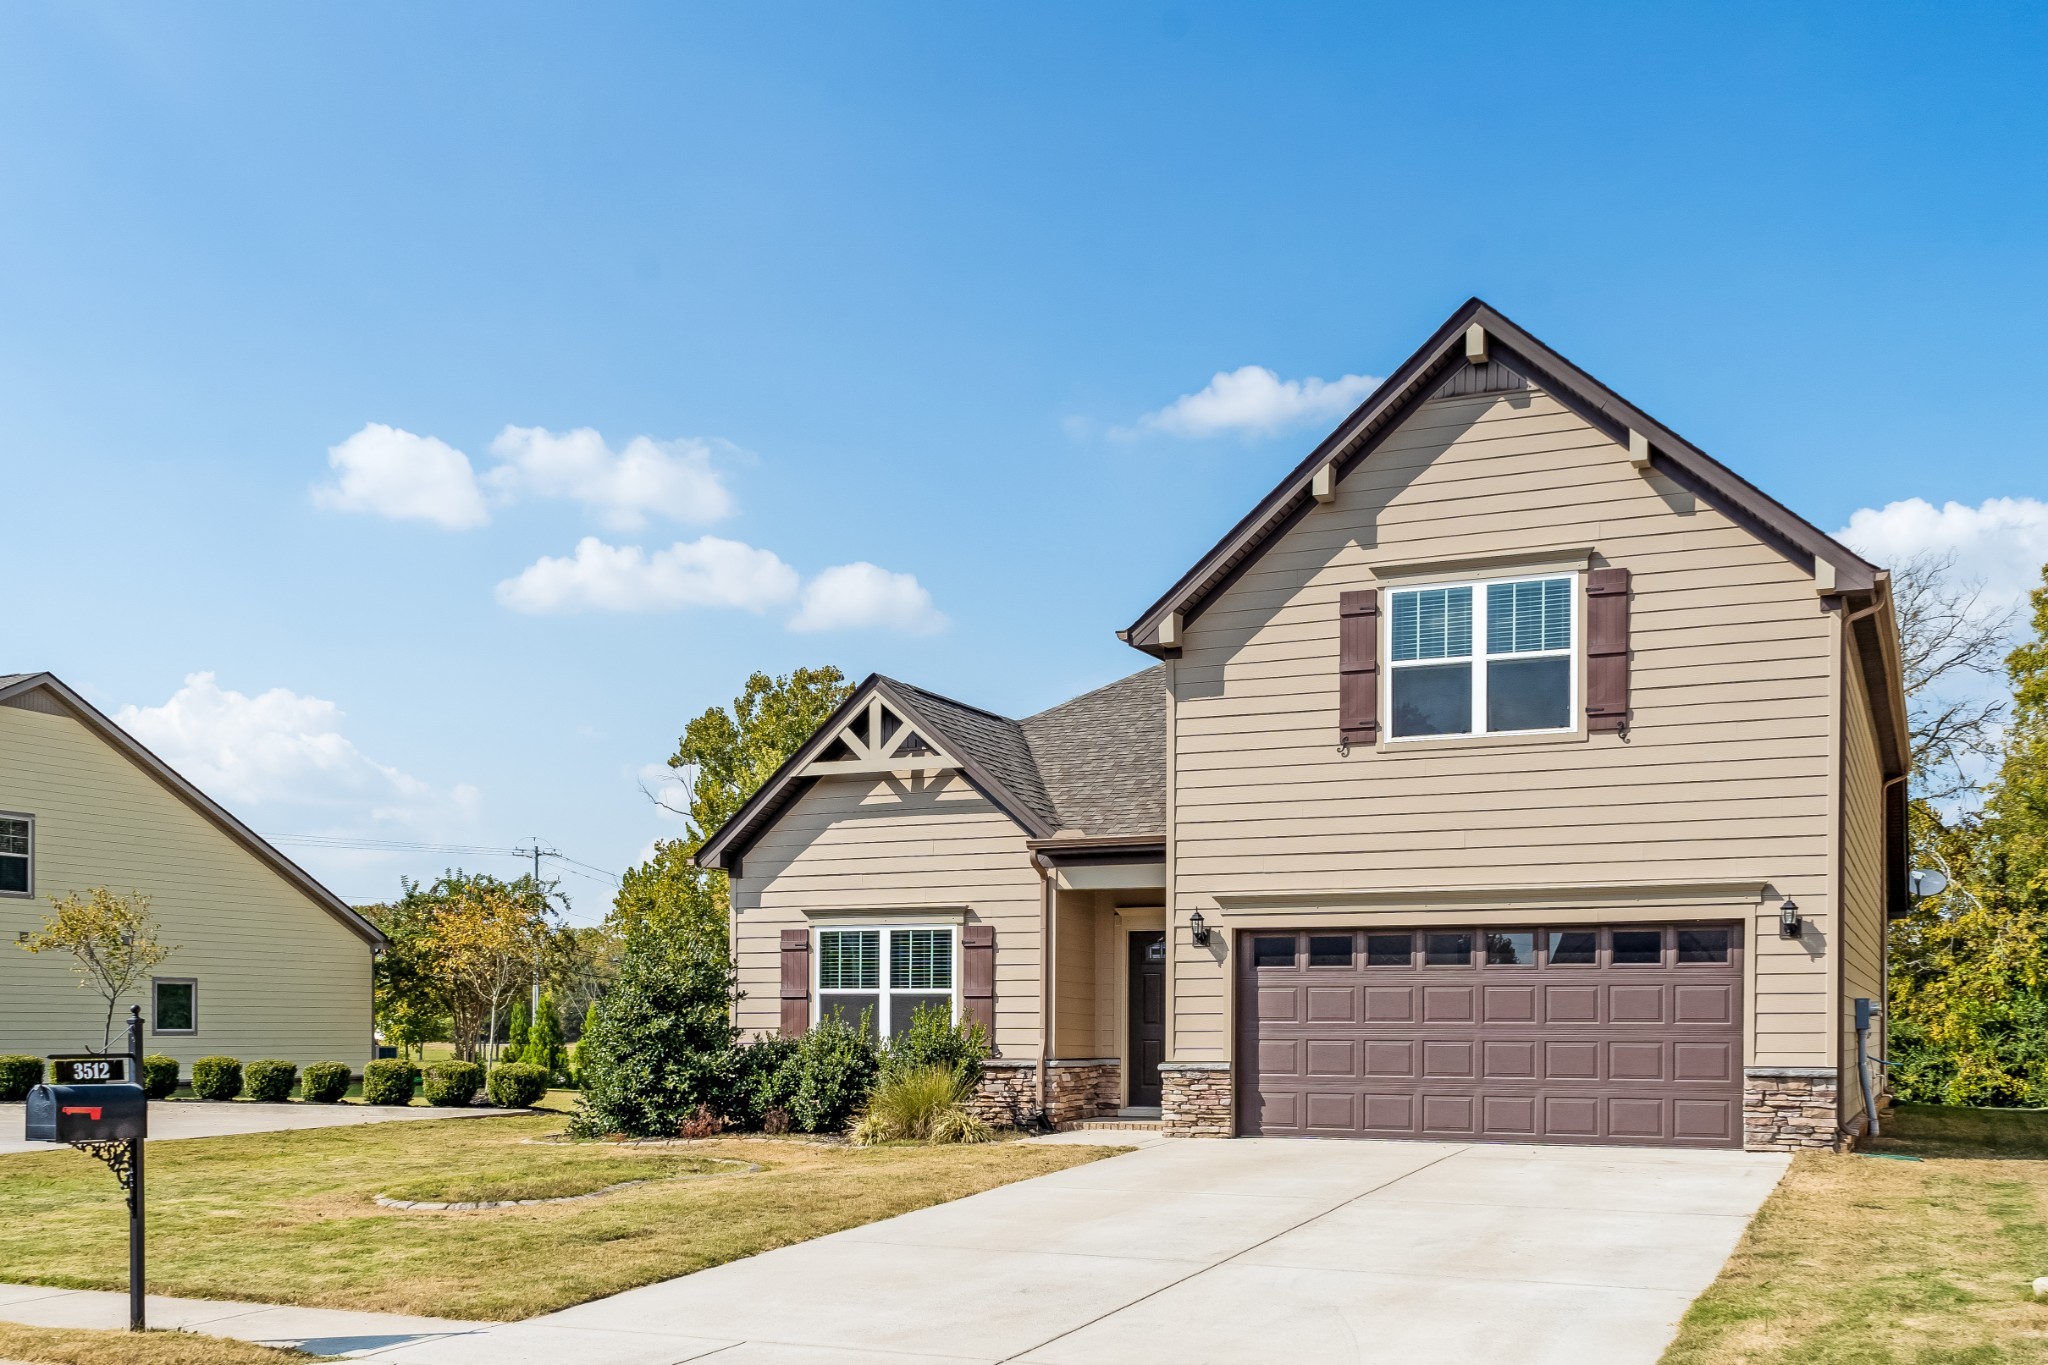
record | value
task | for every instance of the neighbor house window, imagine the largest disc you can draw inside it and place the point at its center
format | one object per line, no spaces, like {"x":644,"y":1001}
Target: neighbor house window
{"x":1482,"y":658}
{"x":174,"y":1007}
{"x":17,"y":848}
{"x":884,"y":976}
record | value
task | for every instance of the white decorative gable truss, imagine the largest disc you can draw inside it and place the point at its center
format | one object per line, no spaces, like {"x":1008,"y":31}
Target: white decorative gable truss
{"x":875,"y":740}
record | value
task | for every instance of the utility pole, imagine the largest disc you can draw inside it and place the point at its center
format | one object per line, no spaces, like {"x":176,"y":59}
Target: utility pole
{"x":533,"y":1008}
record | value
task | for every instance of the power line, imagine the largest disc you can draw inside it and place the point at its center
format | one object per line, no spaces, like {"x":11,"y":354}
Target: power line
{"x":534,"y":851}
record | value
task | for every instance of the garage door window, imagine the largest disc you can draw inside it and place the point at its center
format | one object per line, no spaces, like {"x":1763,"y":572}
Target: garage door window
{"x":1574,"y":947}
{"x":1273,"y":952}
{"x":1389,"y":950}
{"x":1447,"y":950}
{"x":1329,"y":950}
{"x":1511,"y":948}
{"x":1702,"y":945}
{"x":1638,"y":947}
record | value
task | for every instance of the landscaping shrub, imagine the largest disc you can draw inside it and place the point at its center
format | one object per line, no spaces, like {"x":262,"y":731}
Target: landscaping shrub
{"x":662,"y":1042}
{"x":765,"y":1074}
{"x":452,"y":1085}
{"x":933,"y":1039}
{"x":837,"y":1067}
{"x":271,"y":1080}
{"x":516,"y":1032}
{"x":159,"y":1076}
{"x":544,"y":1046}
{"x":18,"y":1074}
{"x":389,"y":1080}
{"x":324,"y":1082}
{"x":216,"y":1078}
{"x":919,"y":1104}
{"x":515,"y":1085}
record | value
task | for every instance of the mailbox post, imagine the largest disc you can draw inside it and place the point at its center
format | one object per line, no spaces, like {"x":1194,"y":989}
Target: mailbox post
{"x":97,"y":1104}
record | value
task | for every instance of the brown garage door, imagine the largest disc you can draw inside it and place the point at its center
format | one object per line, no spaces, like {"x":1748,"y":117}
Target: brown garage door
{"x":1612,"y":1034}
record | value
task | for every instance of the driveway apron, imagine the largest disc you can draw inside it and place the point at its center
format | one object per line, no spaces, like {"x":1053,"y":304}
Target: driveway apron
{"x":1215,"y":1253}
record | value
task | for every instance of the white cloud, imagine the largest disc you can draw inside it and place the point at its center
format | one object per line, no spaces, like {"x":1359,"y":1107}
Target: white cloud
{"x":2001,"y":542}
{"x":1255,"y":401}
{"x":854,"y":596}
{"x":706,"y":572}
{"x":397,"y":474}
{"x":275,"y":747}
{"x":672,"y":479}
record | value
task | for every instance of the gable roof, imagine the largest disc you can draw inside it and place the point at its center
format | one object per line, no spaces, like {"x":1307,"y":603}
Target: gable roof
{"x":1095,"y":765}
{"x":16,"y":686}
{"x":1412,"y":382}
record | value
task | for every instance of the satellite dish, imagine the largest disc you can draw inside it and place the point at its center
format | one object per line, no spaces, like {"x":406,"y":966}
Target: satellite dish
{"x":1928,"y":882}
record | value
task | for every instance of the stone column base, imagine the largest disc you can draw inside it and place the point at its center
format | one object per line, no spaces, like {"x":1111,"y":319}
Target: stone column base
{"x":1196,"y":1100}
{"x":1790,"y":1109}
{"x":1007,"y":1096}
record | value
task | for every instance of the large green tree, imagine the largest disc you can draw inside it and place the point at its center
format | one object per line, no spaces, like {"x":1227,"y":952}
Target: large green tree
{"x":1969,"y":968}
{"x":724,"y":756}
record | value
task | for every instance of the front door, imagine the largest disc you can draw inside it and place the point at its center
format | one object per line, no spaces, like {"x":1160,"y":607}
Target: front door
{"x":1148,"y":1017}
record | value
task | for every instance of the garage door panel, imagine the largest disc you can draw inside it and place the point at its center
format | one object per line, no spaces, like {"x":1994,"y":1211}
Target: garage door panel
{"x":1647,"y":1050}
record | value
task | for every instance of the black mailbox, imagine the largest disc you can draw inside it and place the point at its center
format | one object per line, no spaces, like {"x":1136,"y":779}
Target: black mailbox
{"x":87,"y":1113}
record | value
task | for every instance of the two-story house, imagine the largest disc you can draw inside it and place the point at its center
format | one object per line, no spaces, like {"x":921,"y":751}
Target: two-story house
{"x":1512,"y":771}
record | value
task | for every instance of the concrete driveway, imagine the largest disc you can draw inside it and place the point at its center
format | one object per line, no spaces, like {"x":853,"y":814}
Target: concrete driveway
{"x":1214,"y":1253}
{"x":192,"y":1118}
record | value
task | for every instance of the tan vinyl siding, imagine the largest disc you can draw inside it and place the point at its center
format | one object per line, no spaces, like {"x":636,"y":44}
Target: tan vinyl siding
{"x":278,"y":975}
{"x":1727,"y":772}
{"x":1077,"y":975}
{"x":1863,"y":922}
{"x":865,"y":844}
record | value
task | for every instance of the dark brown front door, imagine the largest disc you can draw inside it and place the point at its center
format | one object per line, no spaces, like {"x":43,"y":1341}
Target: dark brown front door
{"x":1623,"y":1033}
{"x":1148,"y":1016}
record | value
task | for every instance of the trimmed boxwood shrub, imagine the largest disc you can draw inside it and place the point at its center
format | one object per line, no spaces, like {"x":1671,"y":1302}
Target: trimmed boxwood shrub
{"x":216,"y":1078}
{"x":18,"y":1074}
{"x":271,"y":1080}
{"x":515,"y":1085}
{"x":388,"y":1080}
{"x":159,"y":1076}
{"x":452,"y":1084}
{"x":324,"y":1082}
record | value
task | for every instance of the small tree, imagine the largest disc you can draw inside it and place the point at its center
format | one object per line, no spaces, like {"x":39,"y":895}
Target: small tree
{"x":544,"y":1046}
{"x":662,"y":1042}
{"x":515,"y":1036}
{"x":112,"y":941}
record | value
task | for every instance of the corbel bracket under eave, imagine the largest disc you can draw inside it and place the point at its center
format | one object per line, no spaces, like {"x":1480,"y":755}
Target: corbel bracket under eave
{"x":1475,"y":345}
{"x":1170,"y":631}
{"x":1638,"y":449}
{"x":1324,"y":484}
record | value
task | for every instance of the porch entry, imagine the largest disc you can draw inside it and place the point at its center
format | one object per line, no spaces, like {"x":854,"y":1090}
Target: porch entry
{"x":1147,"y":1043}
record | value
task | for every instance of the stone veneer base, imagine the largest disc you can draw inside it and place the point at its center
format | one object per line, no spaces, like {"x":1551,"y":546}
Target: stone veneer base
{"x":1007,"y":1096}
{"x":1791,"y":1109}
{"x":1196,"y":1100}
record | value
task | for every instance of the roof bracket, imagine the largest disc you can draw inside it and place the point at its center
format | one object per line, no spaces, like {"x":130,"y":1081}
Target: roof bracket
{"x":1475,"y":344}
{"x":1324,"y":485}
{"x":1169,"y":631}
{"x":1638,"y":449}
{"x":1823,"y":576}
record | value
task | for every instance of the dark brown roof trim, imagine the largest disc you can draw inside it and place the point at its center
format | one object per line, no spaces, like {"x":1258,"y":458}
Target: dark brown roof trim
{"x":1097,"y":852}
{"x":728,"y":845}
{"x":169,"y":777}
{"x":1607,"y":411}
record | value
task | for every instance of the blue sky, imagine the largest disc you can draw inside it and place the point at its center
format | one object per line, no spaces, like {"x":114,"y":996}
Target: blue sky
{"x":911,"y":287}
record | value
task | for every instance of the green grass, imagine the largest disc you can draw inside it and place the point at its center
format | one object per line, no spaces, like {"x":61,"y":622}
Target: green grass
{"x":1856,"y":1261}
{"x":543,"y":1172}
{"x":290,"y":1217}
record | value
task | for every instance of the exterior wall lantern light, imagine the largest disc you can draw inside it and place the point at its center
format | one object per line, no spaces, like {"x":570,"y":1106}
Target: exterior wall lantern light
{"x":1789,"y":923}
{"x":1197,"y":930}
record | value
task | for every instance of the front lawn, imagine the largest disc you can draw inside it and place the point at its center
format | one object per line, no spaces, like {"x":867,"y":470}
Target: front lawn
{"x":66,"y":1346}
{"x":289,"y":1217}
{"x":1860,"y":1259}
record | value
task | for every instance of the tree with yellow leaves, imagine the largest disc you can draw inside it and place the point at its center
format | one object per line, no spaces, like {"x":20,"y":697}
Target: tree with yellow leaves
{"x":112,"y":940}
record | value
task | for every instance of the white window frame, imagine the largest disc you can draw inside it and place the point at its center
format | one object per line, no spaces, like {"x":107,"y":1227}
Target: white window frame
{"x":157,"y":981}
{"x":888,"y":987}
{"x":30,"y":820}
{"x":1479,"y":658}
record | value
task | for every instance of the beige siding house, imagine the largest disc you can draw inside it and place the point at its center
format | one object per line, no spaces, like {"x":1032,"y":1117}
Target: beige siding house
{"x":268,"y":962}
{"x":1512,"y":771}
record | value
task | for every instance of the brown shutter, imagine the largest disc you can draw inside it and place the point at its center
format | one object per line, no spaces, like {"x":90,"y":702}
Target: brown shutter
{"x":978,"y":975}
{"x":1898,"y":854}
{"x":796,"y":982}
{"x":1358,"y":667}
{"x":1607,"y":649}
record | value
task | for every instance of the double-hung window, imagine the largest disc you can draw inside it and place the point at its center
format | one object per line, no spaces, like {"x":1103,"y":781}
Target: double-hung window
{"x":1483,"y":658}
{"x":17,"y":849}
{"x":883,"y":975}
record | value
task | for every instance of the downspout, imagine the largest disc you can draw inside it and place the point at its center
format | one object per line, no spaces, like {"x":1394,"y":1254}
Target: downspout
{"x":1048,"y":927}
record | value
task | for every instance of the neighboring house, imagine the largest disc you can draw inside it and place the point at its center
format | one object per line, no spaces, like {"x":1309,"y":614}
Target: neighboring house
{"x":269,"y":962}
{"x":1512,"y":771}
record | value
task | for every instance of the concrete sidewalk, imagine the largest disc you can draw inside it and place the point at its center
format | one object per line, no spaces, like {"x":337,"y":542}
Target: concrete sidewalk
{"x":321,"y":1331}
{"x":171,"y":1119}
